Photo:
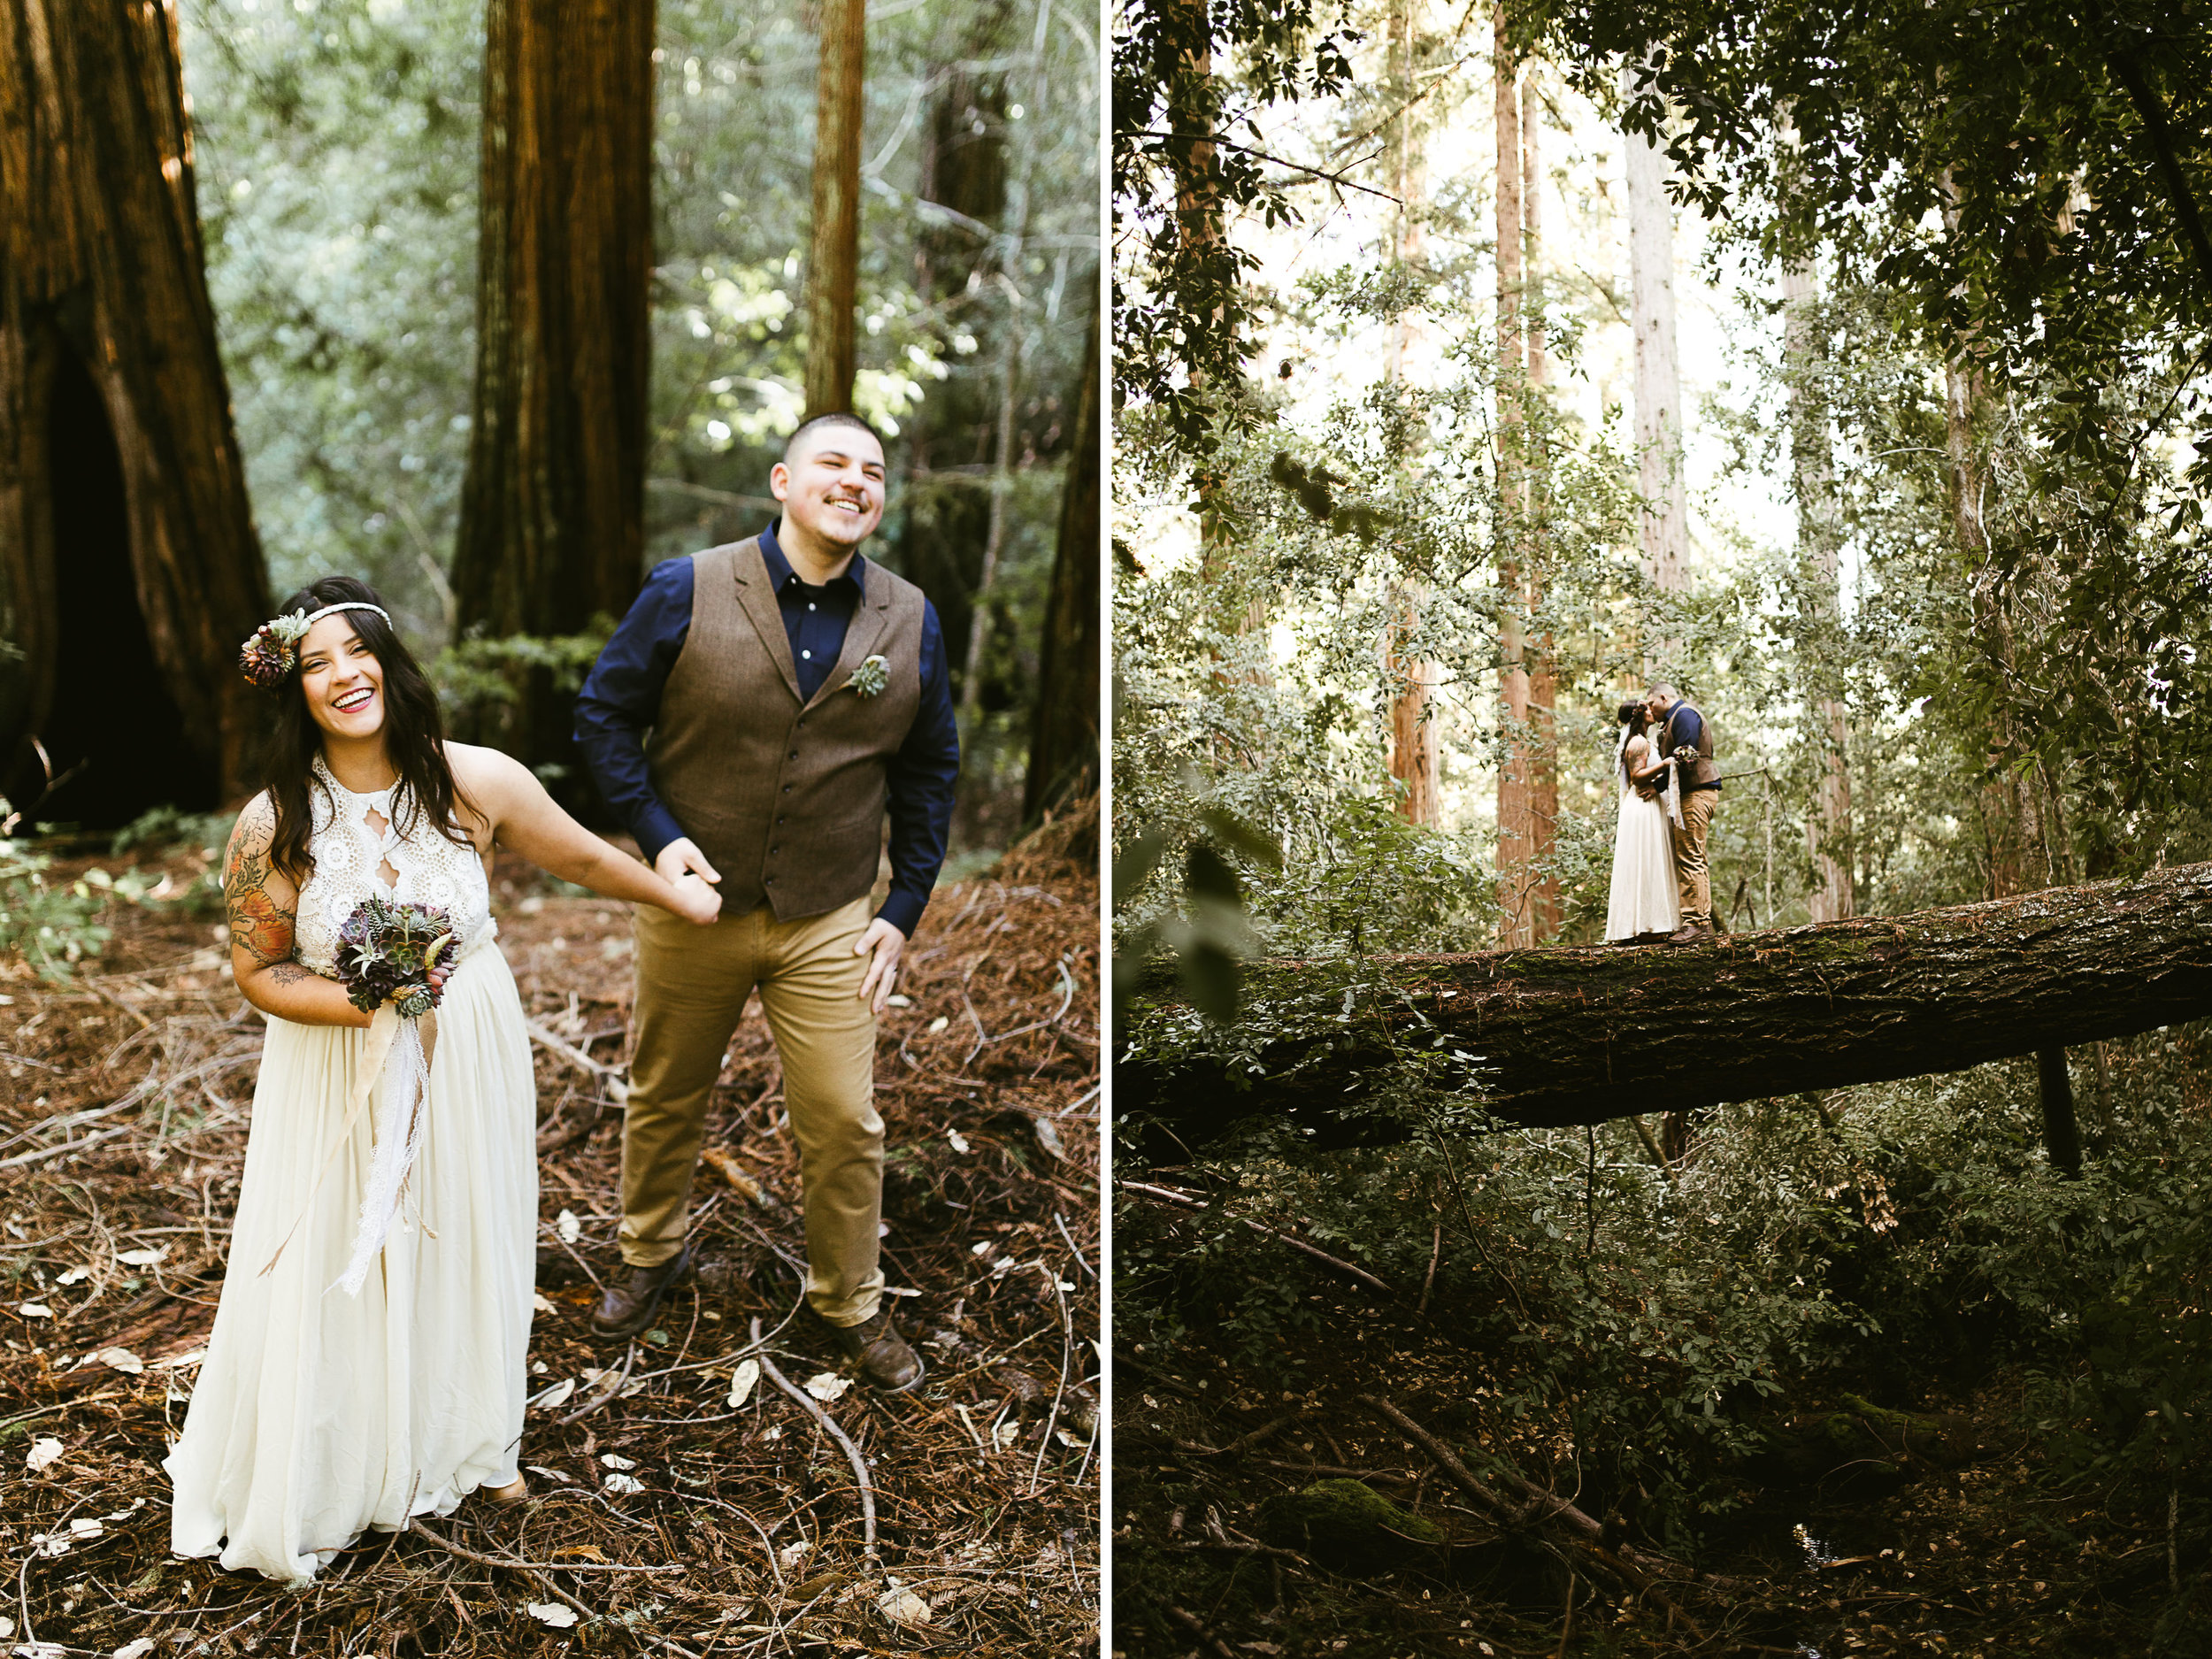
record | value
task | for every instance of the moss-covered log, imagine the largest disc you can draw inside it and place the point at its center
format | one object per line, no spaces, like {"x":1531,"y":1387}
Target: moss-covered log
{"x":1583,"y":1034}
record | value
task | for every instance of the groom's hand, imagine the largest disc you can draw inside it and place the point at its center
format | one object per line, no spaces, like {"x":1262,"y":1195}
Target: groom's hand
{"x":679,"y":856}
{"x":882,"y":944}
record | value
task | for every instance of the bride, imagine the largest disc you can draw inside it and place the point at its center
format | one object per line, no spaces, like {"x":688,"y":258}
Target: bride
{"x":321,"y":1414}
{"x":1645,"y":901}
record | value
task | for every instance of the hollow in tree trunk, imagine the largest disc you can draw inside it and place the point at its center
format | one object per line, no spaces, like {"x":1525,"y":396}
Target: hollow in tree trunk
{"x":129,"y":570}
{"x":552,"y":508}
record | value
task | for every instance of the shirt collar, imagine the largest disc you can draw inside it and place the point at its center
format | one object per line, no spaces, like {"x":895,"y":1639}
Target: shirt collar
{"x":780,"y":570}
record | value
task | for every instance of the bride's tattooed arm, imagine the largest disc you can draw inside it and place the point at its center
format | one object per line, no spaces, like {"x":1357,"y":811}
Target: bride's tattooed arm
{"x":261,"y":923}
{"x":263,"y":904}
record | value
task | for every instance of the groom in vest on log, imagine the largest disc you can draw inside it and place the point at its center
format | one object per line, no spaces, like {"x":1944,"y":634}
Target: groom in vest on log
{"x":762,"y":709}
{"x":1680,"y":730}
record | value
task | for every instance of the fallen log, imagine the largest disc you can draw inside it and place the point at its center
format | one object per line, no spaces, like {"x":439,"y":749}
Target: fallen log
{"x":1582,"y":1034}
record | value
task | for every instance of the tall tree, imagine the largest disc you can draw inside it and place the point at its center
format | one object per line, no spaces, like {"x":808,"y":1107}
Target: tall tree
{"x":129,"y":569}
{"x":1414,"y":745}
{"x":1543,"y":677}
{"x":552,"y":508}
{"x":1063,"y":736}
{"x":833,"y":271}
{"x":1663,"y":528}
{"x":1819,"y":538}
{"x":1523,"y":832}
{"x":2012,"y":823}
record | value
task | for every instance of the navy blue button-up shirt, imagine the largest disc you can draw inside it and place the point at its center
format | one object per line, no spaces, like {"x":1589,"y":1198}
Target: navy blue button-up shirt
{"x":621,"y":699}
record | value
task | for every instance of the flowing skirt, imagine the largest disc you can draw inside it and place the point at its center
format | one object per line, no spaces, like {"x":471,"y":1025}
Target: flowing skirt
{"x":318,"y":1416}
{"x":1645,"y":898}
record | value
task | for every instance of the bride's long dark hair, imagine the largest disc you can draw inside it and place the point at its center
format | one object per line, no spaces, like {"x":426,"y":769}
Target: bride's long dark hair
{"x":414,"y":737}
{"x":1635,"y":717}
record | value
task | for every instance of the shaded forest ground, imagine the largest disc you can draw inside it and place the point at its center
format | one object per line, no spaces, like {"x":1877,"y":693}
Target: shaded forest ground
{"x":986,"y":1479}
{"x":1879,"y":1385}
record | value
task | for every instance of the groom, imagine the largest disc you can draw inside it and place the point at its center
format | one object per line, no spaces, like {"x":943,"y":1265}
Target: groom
{"x":1680,"y":730}
{"x":758,"y":713}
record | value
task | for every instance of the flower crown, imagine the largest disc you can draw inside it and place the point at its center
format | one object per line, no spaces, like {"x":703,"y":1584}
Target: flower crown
{"x":273,"y":650}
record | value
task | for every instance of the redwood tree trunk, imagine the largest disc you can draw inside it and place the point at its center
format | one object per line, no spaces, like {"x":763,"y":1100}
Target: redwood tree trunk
{"x":552,"y":509}
{"x":1516,"y":839}
{"x":833,"y":253}
{"x":1663,"y":526}
{"x":129,"y":568}
{"x":1414,"y":747}
{"x":1582,"y":1034}
{"x":1543,"y":678}
{"x":1063,"y":734}
{"x":1828,"y":825}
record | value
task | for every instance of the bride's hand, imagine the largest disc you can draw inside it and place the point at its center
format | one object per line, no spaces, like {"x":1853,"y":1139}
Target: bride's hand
{"x":694,"y":900}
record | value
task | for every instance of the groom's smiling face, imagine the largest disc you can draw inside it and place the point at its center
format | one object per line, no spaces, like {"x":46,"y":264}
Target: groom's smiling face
{"x":831,"y":485}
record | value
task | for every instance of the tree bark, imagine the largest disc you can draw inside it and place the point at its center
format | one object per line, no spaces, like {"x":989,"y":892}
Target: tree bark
{"x":1543,"y":678}
{"x":833,"y":267}
{"x":1663,"y":526}
{"x":129,"y":569}
{"x":552,"y":508}
{"x":1828,"y":825}
{"x":1413,"y":728}
{"x":1064,"y":731}
{"x":1516,"y":825}
{"x":1584,"y":1035}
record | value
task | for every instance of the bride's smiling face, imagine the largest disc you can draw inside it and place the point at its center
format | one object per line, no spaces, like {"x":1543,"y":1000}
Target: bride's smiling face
{"x":342,"y":680}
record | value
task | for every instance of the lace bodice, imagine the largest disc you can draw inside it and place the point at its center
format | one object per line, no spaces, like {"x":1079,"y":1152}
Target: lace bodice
{"x":352,"y":853}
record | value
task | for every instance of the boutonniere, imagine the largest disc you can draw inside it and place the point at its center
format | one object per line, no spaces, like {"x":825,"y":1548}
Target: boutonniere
{"x":870,"y":678}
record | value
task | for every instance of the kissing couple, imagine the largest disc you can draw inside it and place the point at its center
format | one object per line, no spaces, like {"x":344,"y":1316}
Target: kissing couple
{"x":759,"y":712}
{"x":1668,"y":786}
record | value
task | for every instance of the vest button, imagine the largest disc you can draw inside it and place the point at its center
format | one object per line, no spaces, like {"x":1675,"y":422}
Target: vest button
{"x":794,"y":754}
{"x":768,"y":881}
{"x":787,"y":789}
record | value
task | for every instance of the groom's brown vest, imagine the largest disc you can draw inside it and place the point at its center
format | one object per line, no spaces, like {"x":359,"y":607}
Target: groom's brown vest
{"x":1705,"y":770}
{"x":785,"y":798}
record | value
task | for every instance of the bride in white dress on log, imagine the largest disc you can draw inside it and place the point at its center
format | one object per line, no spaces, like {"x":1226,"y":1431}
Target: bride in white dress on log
{"x":320,"y":1415}
{"x":1645,"y":901}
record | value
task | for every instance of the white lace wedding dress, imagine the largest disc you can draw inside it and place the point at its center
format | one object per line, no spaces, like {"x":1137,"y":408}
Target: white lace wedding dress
{"x":318,"y":1415}
{"x":1644,"y":897}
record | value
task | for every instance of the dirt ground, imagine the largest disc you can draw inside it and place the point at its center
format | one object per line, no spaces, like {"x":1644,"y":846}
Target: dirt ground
{"x":1970,"y":1554}
{"x":663,"y":1519}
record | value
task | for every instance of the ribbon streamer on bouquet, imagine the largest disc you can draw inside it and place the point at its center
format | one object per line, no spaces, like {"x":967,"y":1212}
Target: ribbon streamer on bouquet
{"x":394,"y":1066}
{"x":1672,"y":795}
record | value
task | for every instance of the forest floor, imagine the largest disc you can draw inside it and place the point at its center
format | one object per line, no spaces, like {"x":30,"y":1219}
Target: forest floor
{"x":663,"y":1518}
{"x":1970,"y":1552}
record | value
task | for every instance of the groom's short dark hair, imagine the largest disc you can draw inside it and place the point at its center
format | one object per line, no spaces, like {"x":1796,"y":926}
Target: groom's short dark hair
{"x":838,"y":418}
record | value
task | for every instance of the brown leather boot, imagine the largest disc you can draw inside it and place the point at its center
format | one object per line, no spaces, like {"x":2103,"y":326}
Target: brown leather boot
{"x":1691,"y":933}
{"x":886,"y":1361}
{"x":628,"y":1307}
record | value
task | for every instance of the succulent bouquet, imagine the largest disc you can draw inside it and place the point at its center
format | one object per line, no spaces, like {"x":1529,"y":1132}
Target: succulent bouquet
{"x":385,"y":952}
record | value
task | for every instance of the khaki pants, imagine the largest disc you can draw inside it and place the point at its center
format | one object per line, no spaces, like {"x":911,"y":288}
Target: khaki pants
{"x":1691,"y":878}
{"x":692,"y":983}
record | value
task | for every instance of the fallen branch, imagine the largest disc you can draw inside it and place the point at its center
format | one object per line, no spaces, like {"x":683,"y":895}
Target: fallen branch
{"x":1169,"y":1195}
{"x":1198,"y":1628}
{"x":581,"y":1061}
{"x":829,"y":1427}
{"x":535,"y":1577}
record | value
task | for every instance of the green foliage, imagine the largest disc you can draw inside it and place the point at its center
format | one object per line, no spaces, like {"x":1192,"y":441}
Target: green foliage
{"x":476,"y":673}
{"x":1895,"y":1236}
{"x":53,"y":926}
{"x":1182,"y":310}
{"x":164,"y":827}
